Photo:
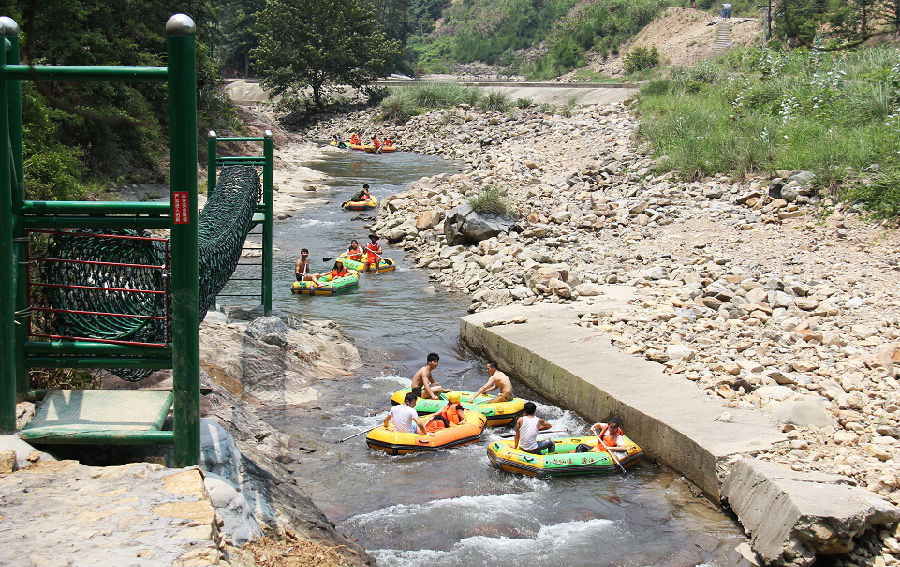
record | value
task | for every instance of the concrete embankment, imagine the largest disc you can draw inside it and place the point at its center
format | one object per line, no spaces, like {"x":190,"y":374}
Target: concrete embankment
{"x":677,"y":425}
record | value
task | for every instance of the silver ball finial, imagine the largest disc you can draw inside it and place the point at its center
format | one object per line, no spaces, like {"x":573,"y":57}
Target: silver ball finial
{"x":212,"y":134}
{"x":267,"y":133}
{"x":180,"y":24}
{"x":9,"y":27}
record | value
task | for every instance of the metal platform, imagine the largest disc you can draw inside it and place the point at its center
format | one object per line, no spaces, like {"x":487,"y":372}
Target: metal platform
{"x":123,"y":417}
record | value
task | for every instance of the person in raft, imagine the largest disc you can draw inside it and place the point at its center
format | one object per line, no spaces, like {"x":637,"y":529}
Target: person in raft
{"x":405,"y":418}
{"x":611,"y":437}
{"x":373,"y":253}
{"x":337,"y":270}
{"x":354,"y":138}
{"x":301,"y":268}
{"x":496,"y":380}
{"x":354,"y":251}
{"x":338,"y":141}
{"x":363,"y":194}
{"x":377,"y":143}
{"x":453,"y":413}
{"x":527,"y":428}
{"x":423,"y":384}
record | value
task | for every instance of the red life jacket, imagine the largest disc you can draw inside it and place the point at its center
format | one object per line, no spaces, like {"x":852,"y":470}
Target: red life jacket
{"x":376,"y":142}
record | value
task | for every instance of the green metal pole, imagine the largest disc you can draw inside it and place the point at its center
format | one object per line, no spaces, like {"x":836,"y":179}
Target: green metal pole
{"x":14,"y":111}
{"x":7,"y":268}
{"x":210,"y":163}
{"x":268,"y":228}
{"x":185,"y":282}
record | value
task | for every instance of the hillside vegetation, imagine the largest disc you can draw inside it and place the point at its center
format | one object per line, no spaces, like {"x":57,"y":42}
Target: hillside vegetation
{"x":761,"y":110}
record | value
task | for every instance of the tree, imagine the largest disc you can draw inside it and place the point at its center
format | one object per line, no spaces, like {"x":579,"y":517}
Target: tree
{"x":318,"y":43}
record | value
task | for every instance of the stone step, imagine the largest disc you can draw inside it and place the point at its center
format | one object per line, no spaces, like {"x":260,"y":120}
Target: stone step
{"x":723,"y":36}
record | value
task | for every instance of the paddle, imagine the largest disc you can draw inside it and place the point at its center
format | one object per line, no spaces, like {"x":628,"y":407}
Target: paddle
{"x":612,"y":454}
{"x":355,"y":434}
{"x":508,"y":435}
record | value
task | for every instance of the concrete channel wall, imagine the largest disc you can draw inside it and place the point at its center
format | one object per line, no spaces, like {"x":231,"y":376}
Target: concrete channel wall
{"x":677,"y":425}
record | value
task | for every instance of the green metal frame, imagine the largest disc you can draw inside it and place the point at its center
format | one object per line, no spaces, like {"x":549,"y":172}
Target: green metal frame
{"x":17,"y":354}
{"x":264,"y":212}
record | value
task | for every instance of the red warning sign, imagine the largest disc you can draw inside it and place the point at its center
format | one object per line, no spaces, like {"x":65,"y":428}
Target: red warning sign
{"x":181,"y":213}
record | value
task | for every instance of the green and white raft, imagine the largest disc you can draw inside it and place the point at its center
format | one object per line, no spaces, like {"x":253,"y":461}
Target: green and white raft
{"x":501,"y":413}
{"x":562,"y":462}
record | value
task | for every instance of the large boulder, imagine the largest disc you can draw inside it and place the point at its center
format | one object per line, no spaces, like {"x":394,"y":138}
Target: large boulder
{"x":465,"y":226}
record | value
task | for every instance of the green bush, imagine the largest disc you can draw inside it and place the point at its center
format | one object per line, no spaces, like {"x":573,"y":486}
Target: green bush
{"x":491,"y":200}
{"x":396,"y":108}
{"x":524,"y":103}
{"x":880,"y":196}
{"x":495,"y":101}
{"x":641,"y":58}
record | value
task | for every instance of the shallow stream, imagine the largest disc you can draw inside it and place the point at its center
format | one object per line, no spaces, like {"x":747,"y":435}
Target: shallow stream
{"x":452,"y":508}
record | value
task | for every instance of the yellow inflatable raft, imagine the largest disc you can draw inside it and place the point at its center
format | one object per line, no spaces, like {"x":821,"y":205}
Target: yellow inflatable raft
{"x":439,"y":437}
{"x":327,"y":285}
{"x":363,"y":205}
{"x":562,"y":462}
{"x":500,"y":413}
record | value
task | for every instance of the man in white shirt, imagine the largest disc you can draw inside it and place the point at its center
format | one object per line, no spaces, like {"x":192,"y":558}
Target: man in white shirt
{"x":527,"y":428}
{"x":405,"y":415}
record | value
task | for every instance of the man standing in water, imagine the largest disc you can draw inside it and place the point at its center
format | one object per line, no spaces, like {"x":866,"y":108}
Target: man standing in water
{"x":423,"y":384}
{"x":496,"y":379}
{"x":527,"y":428}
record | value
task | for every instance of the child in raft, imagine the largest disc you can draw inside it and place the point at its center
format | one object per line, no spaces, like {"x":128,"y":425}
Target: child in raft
{"x":354,"y":251}
{"x":337,"y":270}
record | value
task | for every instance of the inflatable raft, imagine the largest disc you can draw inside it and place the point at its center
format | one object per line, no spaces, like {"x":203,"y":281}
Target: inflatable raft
{"x":500,"y":413}
{"x":384,"y":264}
{"x":360,"y":205}
{"x":562,"y":462}
{"x":370,"y":148}
{"x":439,"y":437}
{"x":329,"y":287}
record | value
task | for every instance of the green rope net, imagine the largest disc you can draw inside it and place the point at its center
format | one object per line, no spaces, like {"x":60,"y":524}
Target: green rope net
{"x":91,"y":280}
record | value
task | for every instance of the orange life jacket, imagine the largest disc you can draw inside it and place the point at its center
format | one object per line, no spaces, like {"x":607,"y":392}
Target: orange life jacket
{"x":387,"y":142}
{"x":371,"y":250}
{"x":338,"y":274}
{"x":376,"y":142}
{"x":453,"y":413}
{"x":354,"y":139}
{"x":608,"y":439}
{"x":354,"y":254}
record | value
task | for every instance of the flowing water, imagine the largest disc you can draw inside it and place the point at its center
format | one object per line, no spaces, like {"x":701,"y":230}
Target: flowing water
{"x":452,"y":507}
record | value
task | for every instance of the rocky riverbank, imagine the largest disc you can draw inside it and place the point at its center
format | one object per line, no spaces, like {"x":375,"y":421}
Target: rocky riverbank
{"x":761,"y":291}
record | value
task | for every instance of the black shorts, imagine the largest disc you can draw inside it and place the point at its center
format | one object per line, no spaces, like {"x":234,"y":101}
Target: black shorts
{"x":417,"y":391}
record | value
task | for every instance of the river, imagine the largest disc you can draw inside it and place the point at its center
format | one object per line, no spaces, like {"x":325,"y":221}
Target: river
{"x":452,"y":507}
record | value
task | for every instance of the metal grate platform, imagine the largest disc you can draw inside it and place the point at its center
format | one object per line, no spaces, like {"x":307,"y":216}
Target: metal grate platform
{"x":109,"y":416}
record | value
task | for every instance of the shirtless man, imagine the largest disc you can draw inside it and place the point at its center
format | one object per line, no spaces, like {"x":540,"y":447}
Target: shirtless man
{"x":496,"y":380}
{"x":301,"y":268}
{"x":423,"y":384}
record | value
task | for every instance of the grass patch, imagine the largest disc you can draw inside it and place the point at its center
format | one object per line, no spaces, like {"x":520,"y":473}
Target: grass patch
{"x":755,"y":110}
{"x":405,"y":102}
{"x":495,"y":101}
{"x":491,"y":200}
